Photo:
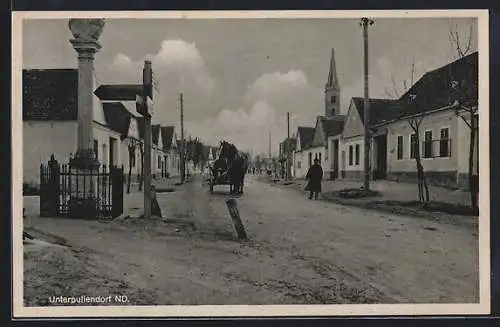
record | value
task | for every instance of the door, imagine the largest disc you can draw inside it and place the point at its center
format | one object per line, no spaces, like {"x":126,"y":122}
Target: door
{"x":343,"y":164}
{"x":335,"y":156}
{"x":381,"y":157}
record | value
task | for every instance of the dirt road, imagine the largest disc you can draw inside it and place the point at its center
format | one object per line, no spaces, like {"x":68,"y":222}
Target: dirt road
{"x":300,"y":251}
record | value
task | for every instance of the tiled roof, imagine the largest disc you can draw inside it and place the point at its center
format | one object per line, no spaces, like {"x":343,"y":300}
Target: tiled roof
{"x":380,"y":109}
{"x":306,"y":135}
{"x":167,"y":132}
{"x":334,"y":126}
{"x":431,"y":92}
{"x":117,"y":117}
{"x":118,"y":92}
{"x":50,"y":94}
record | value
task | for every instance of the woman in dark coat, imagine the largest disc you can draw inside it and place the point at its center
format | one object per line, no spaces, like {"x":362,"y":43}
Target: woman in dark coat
{"x":314,"y":177}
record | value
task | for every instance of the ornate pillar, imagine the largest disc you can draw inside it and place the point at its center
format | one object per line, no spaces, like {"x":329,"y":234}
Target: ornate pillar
{"x":86,"y":33}
{"x":85,"y":188}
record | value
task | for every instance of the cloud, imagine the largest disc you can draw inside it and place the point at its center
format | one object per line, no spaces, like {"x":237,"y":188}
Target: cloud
{"x":264,"y":109}
{"x":277,"y":85}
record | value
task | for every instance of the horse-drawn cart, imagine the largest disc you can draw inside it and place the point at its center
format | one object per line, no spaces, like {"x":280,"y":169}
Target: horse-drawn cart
{"x":228,"y":169}
{"x":218,"y":176}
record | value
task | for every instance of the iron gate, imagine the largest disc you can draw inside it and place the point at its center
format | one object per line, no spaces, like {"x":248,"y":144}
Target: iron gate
{"x":69,"y":192}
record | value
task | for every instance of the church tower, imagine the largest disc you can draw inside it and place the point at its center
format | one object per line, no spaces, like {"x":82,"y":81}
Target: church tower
{"x":332,"y":91}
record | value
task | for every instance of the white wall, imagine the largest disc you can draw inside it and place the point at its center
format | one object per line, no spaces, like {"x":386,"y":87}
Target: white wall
{"x":40,"y":140}
{"x":302,"y":159}
{"x":344,"y":147}
{"x":102,"y":135}
{"x":432,"y":122}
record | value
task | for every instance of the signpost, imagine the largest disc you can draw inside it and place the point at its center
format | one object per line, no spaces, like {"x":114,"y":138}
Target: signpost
{"x":143,"y":103}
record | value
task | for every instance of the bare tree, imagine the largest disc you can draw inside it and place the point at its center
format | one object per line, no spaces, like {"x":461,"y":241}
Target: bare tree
{"x":414,"y":121}
{"x":463,"y":94}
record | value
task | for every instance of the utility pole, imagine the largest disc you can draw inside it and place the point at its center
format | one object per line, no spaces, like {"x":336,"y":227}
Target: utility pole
{"x":182,"y":154}
{"x":365,"y":22}
{"x":287,"y":146}
{"x":269,"y":154}
{"x":147,"y":77}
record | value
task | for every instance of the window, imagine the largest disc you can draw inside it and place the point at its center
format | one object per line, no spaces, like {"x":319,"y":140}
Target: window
{"x":357,"y":154}
{"x":445,"y":143}
{"x":310,"y":159}
{"x":333,"y":98}
{"x":96,"y":149}
{"x":350,"y":155}
{"x":159,"y":161}
{"x":298,"y":164}
{"x":413,"y":146}
{"x":428,"y":144}
{"x":400,"y":148}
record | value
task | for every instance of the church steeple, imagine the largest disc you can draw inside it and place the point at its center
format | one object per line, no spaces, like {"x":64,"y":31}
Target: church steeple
{"x":332,"y":90}
{"x":332,"y":81}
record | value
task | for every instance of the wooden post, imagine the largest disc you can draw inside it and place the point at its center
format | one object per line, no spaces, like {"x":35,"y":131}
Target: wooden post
{"x":182,"y":149}
{"x":147,"y":81}
{"x":232,"y":205}
{"x":365,"y":22}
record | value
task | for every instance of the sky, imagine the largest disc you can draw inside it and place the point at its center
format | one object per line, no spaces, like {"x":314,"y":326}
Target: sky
{"x":240,"y":77}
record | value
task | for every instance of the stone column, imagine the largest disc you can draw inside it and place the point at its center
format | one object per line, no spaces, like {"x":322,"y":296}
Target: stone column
{"x":83,"y":202}
{"x":86,"y":33}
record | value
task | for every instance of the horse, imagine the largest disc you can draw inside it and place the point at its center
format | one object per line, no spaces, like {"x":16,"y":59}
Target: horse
{"x":239,"y":168}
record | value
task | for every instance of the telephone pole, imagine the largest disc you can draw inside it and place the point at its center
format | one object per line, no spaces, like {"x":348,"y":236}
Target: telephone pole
{"x":182,"y":150}
{"x":287,"y":145}
{"x":269,"y":153}
{"x":366,"y":22}
{"x":147,"y":85}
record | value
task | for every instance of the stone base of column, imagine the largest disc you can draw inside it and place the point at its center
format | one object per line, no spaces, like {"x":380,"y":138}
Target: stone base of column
{"x":84,"y":199}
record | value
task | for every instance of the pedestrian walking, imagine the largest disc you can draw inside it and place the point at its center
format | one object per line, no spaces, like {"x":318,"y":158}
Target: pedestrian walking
{"x":314,"y":177}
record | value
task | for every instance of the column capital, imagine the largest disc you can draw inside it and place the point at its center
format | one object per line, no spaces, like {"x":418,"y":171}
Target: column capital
{"x":86,"y":33}
{"x":85,"y":49}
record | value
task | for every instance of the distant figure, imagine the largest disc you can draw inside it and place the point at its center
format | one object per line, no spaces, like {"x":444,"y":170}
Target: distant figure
{"x":314,"y":177}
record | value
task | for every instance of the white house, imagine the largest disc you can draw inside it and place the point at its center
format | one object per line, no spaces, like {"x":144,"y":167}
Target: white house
{"x":170,"y":151}
{"x":302,"y":156}
{"x":121,"y":120}
{"x":50,"y":100}
{"x":444,"y":136}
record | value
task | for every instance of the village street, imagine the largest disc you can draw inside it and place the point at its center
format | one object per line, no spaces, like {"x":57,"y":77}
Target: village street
{"x":299,"y":251}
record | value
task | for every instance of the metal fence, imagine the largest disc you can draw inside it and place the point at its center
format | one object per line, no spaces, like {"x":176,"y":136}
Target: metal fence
{"x":69,"y":192}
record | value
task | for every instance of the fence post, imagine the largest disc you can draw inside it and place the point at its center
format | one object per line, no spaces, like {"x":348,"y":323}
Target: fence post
{"x":54,"y":186}
{"x":235,"y":216}
{"x":117,"y":186}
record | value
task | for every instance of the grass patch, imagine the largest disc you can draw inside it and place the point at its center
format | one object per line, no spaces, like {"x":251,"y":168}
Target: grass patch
{"x":353,"y":193}
{"x":433,"y":206}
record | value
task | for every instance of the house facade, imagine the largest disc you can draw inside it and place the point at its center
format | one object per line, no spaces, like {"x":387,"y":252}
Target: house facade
{"x":50,"y":113}
{"x":443,"y":131}
{"x":171,"y":157}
